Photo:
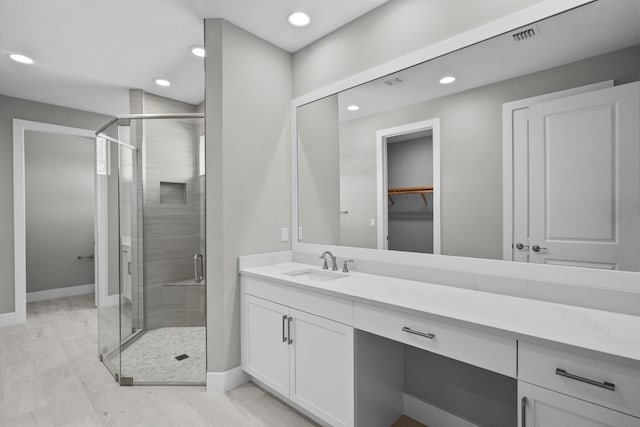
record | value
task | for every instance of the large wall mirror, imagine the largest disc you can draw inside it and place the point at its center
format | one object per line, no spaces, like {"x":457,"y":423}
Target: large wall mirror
{"x":523,"y":147}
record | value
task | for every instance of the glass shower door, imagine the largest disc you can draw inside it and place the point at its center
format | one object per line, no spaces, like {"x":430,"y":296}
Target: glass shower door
{"x":171,"y":349}
{"x":117,"y":229}
{"x":151,"y":249}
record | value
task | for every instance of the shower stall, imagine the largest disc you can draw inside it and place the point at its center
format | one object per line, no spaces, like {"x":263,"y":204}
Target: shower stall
{"x":150,"y":270}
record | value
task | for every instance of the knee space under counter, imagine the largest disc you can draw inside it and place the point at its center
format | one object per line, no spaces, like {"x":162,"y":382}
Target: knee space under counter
{"x":393,"y":379}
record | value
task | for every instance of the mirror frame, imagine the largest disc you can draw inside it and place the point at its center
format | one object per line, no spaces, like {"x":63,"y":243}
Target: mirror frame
{"x":607,"y":279}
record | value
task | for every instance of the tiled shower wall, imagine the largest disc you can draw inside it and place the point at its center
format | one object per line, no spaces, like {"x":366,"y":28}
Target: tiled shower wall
{"x":172,"y":230}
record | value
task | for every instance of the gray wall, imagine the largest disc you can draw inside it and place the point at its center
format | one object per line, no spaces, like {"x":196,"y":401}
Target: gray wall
{"x":11,"y":108}
{"x":248,"y":170}
{"x":318,"y":171}
{"x":471,"y":149}
{"x":60,"y":199}
{"x":375,"y":38}
{"x":410,"y":164}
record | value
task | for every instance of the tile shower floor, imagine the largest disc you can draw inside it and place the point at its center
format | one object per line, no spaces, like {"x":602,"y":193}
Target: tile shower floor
{"x":152,"y":357}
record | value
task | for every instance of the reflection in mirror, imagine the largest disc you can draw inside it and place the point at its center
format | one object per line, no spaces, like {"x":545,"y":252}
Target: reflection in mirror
{"x":532,"y":155}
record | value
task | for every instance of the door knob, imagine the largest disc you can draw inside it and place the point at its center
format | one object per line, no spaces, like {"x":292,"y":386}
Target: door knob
{"x":537,"y":248}
{"x":521,"y":246}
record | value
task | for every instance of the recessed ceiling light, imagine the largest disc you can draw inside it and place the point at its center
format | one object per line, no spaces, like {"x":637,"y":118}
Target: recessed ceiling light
{"x":162,"y":82}
{"x":20,"y":58}
{"x":198,"y":50}
{"x":299,"y":19}
{"x":447,"y":80}
{"x":353,"y":107}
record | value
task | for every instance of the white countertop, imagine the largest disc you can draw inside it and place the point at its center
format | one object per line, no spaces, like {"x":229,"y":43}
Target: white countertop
{"x":603,"y":331}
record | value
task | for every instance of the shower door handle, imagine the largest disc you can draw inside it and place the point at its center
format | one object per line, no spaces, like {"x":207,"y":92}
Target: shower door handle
{"x":198,"y":268}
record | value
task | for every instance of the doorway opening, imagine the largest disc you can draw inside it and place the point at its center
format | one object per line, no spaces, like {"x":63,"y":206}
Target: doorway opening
{"x":59,"y":201}
{"x":409,"y":187}
{"x":23,"y":129}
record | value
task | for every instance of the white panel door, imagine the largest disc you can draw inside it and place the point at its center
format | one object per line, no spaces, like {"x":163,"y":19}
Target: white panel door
{"x":265,"y":352}
{"x":322,"y":370}
{"x":584,"y":198}
{"x":516,"y":168}
{"x":520,"y":242}
{"x":540,"y":407}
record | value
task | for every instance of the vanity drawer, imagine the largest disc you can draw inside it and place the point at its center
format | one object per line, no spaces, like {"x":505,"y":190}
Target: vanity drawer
{"x":582,"y":374}
{"x":468,"y":344}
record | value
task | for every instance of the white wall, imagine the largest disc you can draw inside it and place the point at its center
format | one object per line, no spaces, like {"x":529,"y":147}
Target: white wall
{"x":248,"y":94}
{"x":394,"y":29}
{"x":60,"y":198}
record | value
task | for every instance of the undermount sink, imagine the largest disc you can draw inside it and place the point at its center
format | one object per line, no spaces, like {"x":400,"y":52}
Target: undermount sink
{"x":316,"y":275}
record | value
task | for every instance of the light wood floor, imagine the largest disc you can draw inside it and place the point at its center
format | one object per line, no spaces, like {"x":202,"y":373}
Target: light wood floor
{"x":50,"y":376}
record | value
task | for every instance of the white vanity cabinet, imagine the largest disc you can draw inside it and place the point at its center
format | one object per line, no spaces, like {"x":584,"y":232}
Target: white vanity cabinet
{"x":305,"y":358}
{"x":303,"y":341}
{"x":540,"y":407}
{"x":563,"y":386}
{"x":266,"y":349}
{"x":322,"y":368}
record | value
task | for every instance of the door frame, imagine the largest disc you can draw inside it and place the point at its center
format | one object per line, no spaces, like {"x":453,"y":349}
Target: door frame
{"x":382,"y":137}
{"x":19,"y":315}
{"x":508,"y":141}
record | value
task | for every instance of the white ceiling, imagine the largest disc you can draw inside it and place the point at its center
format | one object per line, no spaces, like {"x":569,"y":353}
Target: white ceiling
{"x":88,"y":53}
{"x":597,"y":28}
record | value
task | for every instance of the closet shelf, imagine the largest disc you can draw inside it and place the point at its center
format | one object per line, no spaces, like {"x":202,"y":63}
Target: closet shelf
{"x":410,"y":190}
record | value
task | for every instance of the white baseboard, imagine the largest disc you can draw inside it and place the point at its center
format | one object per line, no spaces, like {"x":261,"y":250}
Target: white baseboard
{"x":108,"y":301}
{"x":222,"y":382}
{"x":431,"y":415}
{"x":60,"y":292}
{"x":7,"y":319}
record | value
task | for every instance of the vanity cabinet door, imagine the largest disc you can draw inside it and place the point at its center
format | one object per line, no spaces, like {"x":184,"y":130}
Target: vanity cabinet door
{"x":322,"y":368}
{"x":265,"y":346}
{"x":539,"y":407}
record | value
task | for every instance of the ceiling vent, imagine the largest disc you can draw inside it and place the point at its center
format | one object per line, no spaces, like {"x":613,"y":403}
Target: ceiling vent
{"x":395,"y":80}
{"x":526,"y":34}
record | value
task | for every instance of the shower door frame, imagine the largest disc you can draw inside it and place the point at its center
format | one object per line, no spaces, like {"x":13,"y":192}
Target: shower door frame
{"x":103,"y":243}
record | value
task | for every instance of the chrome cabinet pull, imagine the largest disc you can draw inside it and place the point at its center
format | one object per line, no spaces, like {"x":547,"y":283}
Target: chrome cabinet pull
{"x":289,"y":330}
{"x":284,"y":320}
{"x":523,"y":411}
{"x":520,"y":246}
{"x":606,"y":385}
{"x":422,"y":334}
{"x":537,"y":248}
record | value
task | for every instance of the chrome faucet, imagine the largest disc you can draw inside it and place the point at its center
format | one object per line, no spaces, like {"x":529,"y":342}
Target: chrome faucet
{"x":334,"y":264}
